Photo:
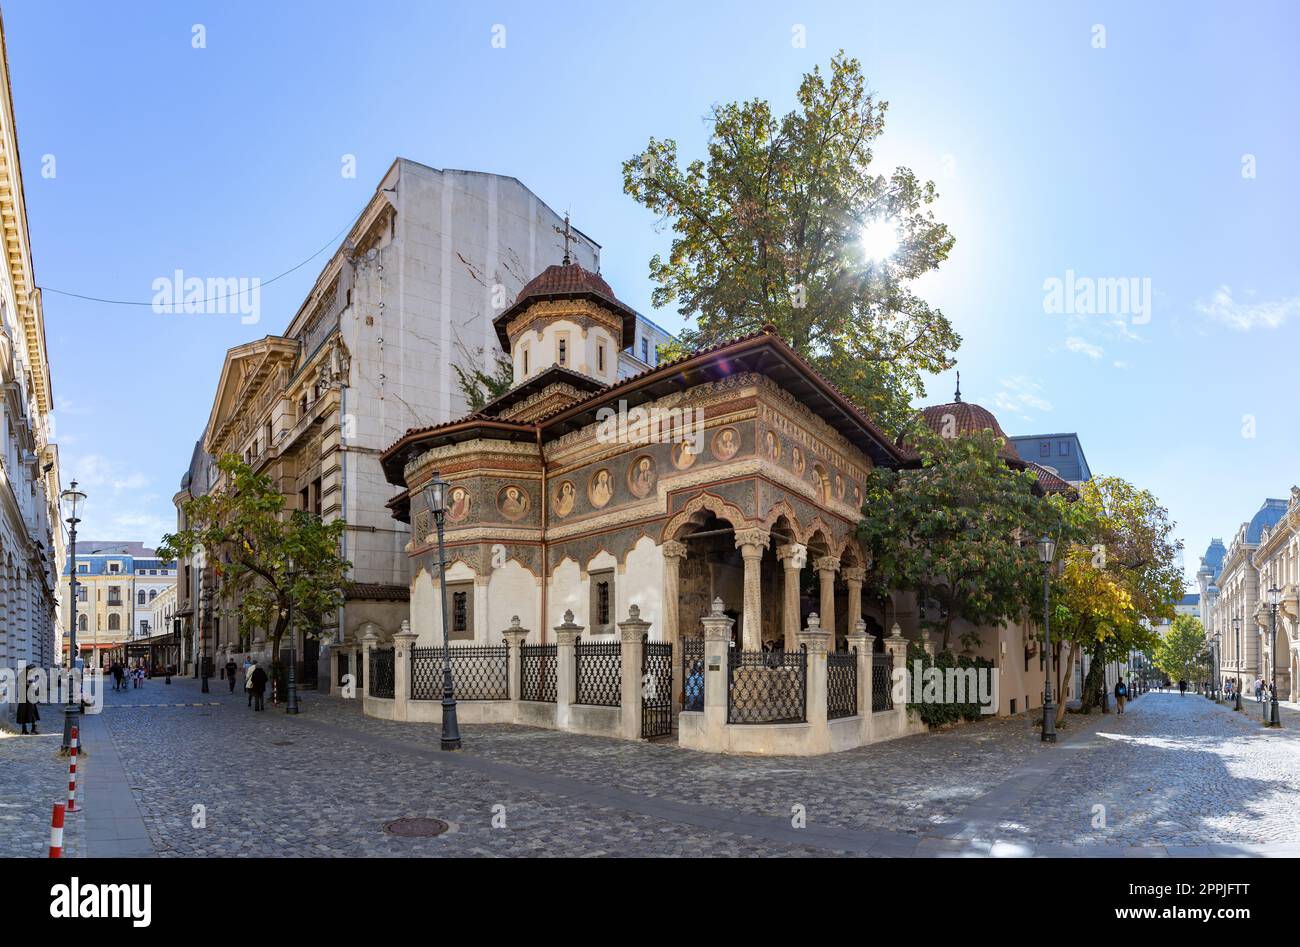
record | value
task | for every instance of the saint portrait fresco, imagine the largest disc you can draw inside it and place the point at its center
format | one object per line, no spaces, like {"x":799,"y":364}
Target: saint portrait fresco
{"x":857,"y":495}
{"x":601,"y":489}
{"x":458,"y":509}
{"x":512,"y":501}
{"x":565,"y":495}
{"x":839,"y":487}
{"x":726,"y":443}
{"x":641,"y":476}
{"x":797,"y":461}
{"x":772,"y":444}
{"x":683,"y":455}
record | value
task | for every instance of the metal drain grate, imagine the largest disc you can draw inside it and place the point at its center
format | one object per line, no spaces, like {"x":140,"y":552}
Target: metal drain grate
{"x":416,"y":828}
{"x":281,"y":743}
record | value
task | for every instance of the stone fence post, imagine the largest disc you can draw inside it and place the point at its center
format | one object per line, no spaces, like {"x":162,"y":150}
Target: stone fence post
{"x":403,"y":642}
{"x":862,"y":643}
{"x":566,"y":683}
{"x":515,"y":637}
{"x":896,"y":645}
{"x":368,"y":642}
{"x":814,"y":639}
{"x":634,"y":630}
{"x":717,"y":645}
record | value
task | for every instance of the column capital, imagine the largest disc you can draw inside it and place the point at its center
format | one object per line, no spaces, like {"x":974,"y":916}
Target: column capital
{"x":634,"y":627}
{"x":672,"y":549}
{"x":854,"y":574}
{"x":827,"y":564}
{"x":814,"y":636}
{"x":792,"y":555}
{"x":566,"y":633}
{"x":717,"y":624}
{"x":752,"y":541}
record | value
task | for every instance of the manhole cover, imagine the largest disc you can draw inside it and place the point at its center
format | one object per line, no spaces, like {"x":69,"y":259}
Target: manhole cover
{"x":416,"y":828}
{"x":282,"y":743}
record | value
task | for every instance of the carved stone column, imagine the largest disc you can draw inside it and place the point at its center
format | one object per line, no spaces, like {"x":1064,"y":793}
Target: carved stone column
{"x":826,"y":567}
{"x":633,"y":631}
{"x":854,"y":577}
{"x":793,"y":556}
{"x":566,"y":681}
{"x":751,"y":543}
{"x":515,"y":636}
{"x":673,"y":552}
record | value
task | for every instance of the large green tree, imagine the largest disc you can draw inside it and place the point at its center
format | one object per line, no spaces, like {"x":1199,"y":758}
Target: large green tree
{"x":273,"y":560}
{"x":1118,"y":576}
{"x":960,"y":531}
{"x":769,"y":229}
{"x":1181,"y":651}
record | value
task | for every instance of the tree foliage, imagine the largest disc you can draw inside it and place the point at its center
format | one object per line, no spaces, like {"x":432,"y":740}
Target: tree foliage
{"x":1118,"y":575}
{"x":270,"y":558}
{"x":960,"y":531}
{"x":478,"y":386}
{"x":769,"y":230}
{"x":1180,"y":653}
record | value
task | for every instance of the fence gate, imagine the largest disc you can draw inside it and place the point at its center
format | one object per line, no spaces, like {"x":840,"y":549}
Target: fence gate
{"x":656,"y":688}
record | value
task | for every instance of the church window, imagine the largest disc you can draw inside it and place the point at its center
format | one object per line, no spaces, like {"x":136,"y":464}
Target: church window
{"x":524,"y":353}
{"x":602,"y":602}
{"x":563,"y":356}
{"x":460,"y":601}
{"x":600,"y":357}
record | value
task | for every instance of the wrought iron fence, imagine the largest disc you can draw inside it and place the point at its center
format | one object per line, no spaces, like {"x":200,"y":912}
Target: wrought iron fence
{"x":537,"y":679}
{"x":381,"y":672}
{"x":692,"y":684}
{"x":656,"y":688}
{"x":477,"y":672}
{"x":767,"y":686}
{"x":598,"y":670}
{"x":882,"y":680}
{"x":841,"y":684}
{"x":344,"y":661}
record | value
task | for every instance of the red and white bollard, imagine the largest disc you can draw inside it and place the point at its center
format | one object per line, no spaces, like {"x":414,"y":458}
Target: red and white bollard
{"x":72,"y":773}
{"x":56,"y":832}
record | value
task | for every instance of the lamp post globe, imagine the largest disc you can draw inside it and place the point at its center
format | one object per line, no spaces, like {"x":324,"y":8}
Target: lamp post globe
{"x":435,"y":501}
{"x":72,"y":503}
{"x":1046,"y":553}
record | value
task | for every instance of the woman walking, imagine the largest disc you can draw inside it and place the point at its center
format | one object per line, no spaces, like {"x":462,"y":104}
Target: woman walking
{"x":259,"y":686}
{"x":27,"y":710}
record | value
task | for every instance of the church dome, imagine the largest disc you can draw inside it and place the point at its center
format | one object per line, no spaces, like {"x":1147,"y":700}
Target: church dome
{"x":960,"y":418}
{"x":567,"y":281}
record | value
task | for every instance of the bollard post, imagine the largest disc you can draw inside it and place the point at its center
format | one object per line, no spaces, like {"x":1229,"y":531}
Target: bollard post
{"x":56,"y":832}
{"x":72,"y":773}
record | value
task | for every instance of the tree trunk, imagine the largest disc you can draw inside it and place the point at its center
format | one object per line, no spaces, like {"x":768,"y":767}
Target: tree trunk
{"x":1095,"y":683}
{"x":1065,"y":672}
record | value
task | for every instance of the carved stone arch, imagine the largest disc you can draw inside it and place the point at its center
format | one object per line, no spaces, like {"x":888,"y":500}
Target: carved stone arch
{"x":850,"y":553}
{"x":643,"y":532}
{"x":781,"y":508}
{"x":699,"y":503}
{"x":819,"y":528}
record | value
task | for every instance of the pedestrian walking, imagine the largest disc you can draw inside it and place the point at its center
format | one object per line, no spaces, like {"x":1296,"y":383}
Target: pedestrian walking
{"x":1182,"y":688}
{"x":231,"y":669}
{"x":249,"y":668}
{"x":1121,"y":694}
{"x":28,"y":713}
{"x":1259,"y":690}
{"x":259,"y":687}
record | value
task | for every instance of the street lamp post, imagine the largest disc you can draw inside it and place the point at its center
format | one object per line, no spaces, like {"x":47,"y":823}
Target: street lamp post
{"x":71,"y":503}
{"x":1274,"y":599}
{"x":291,"y":705}
{"x":1046,"y":552}
{"x":1236,"y":631}
{"x":1214,"y":657}
{"x":435,"y":499}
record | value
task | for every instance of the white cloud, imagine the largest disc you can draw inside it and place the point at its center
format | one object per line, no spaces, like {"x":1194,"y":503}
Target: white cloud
{"x":1120,"y":365}
{"x":1084,"y":347}
{"x":1020,"y":395}
{"x":1244,"y":316}
{"x":117,"y":505}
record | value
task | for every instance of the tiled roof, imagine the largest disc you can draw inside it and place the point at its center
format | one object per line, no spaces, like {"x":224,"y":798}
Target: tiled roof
{"x":966,"y":418}
{"x":376,"y":592}
{"x":566,"y":281}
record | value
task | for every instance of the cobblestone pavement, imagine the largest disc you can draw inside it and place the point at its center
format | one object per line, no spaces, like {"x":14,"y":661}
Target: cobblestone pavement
{"x":1174,"y":775}
{"x":32,"y":778}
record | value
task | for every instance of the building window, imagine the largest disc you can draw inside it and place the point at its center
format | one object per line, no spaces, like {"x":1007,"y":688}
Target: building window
{"x":82,"y":623}
{"x":115,"y":622}
{"x":1063,"y":448}
{"x":83,"y":568}
{"x":524,"y":352}
{"x":1045,"y":449}
{"x":602,"y":602}
{"x":600,"y":357}
{"x":114,"y":568}
{"x":460,"y":598}
{"x":563,"y":357}
{"x":645,"y":350}
{"x":140,"y":599}
{"x":153,"y":594}
{"x":315,"y":491}
{"x":83,"y":594}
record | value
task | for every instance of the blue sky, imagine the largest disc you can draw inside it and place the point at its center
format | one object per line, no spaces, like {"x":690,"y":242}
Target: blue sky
{"x":1051,"y":154}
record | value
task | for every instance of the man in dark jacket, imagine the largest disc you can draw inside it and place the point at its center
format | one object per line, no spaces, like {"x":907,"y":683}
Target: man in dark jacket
{"x":231,"y":669}
{"x":1121,"y":694}
{"x":259,"y":686}
{"x":27,"y":710}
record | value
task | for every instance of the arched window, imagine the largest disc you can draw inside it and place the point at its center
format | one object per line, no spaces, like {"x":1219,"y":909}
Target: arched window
{"x":114,"y":622}
{"x":153,"y":594}
{"x":140,"y":599}
{"x":81,"y":623}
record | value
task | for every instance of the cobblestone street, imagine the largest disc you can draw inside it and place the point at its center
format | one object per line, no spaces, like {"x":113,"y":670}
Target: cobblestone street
{"x":208,"y":777}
